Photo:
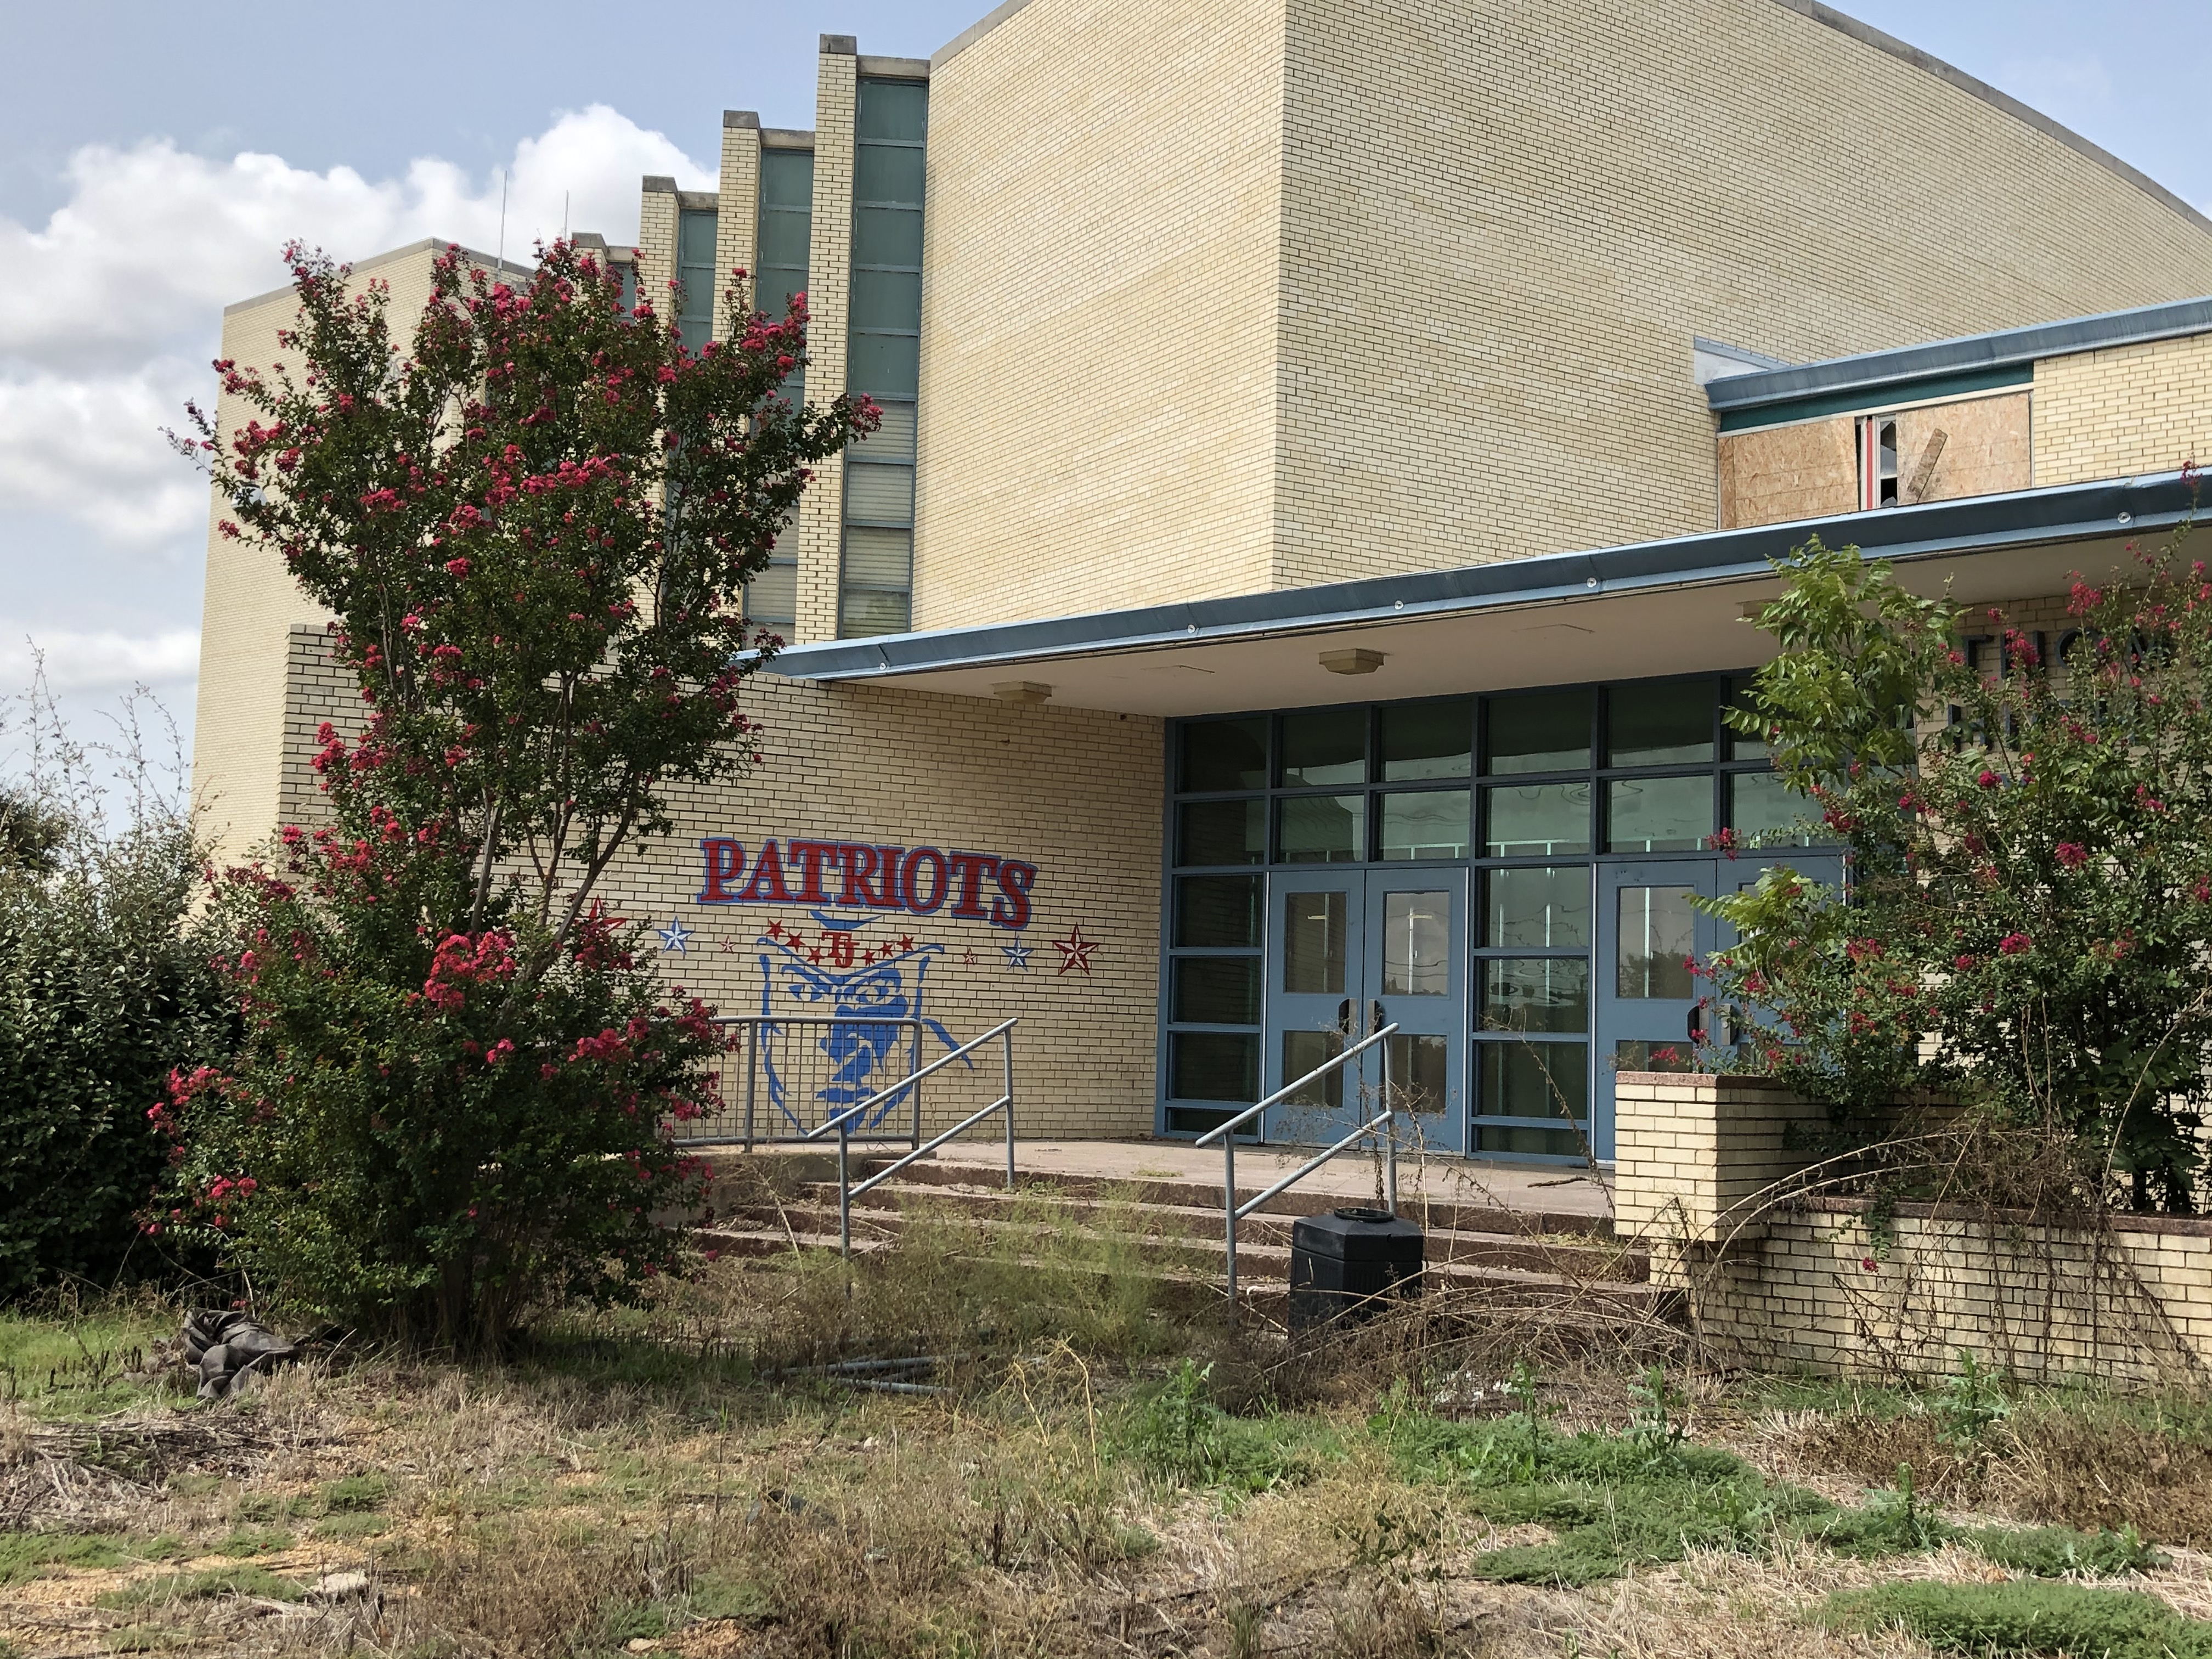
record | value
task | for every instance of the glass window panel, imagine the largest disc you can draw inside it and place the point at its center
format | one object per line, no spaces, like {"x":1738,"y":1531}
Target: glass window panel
{"x":879,"y":559}
{"x":1657,"y":938}
{"x":1532,"y":820}
{"x":1759,"y":804}
{"x":1535,"y":993}
{"x":887,"y":236}
{"x":1213,"y":1065}
{"x":1430,"y":824}
{"x":1328,"y":747}
{"x":787,"y":178}
{"x":772,"y":596}
{"x":1315,"y":939}
{"x":1302,"y":1052}
{"x":884,"y":493}
{"x":1218,"y":990}
{"x":886,"y":298}
{"x":1659,"y":815}
{"x":1739,"y":746}
{"x":1535,"y":1079}
{"x":695,"y":236}
{"x":1427,"y":740}
{"x":1223,"y":832}
{"x":892,"y":109}
{"x":893,"y":440}
{"x":1547,"y":733}
{"x":1225,"y":755}
{"x":1323,"y":829}
{"x":887,"y":172}
{"x":773,"y":296}
{"x":1515,"y":1140}
{"x":1543,"y":909}
{"x":867,"y":612}
{"x":1217,"y":910}
{"x":1420,"y":1072}
{"x":1640,"y":1056}
{"x":1415,"y":944}
{"x":783,"y":239}
{"x":889,"y":364}
{"x":1661,"y":724}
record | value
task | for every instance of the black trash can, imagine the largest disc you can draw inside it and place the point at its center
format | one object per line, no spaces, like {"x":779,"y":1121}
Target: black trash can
{"x":1345,"y":1262}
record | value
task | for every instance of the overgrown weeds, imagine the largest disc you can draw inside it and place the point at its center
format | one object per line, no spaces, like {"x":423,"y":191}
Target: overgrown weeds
{"x":2028,"y":1619}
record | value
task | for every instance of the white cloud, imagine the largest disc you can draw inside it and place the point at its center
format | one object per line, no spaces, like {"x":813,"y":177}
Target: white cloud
{"x":112,"y":307}
{"x":101,"y":660}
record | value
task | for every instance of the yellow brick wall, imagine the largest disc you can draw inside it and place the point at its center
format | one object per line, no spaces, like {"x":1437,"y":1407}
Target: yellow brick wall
{"x":1075,"y":793}
{"x":737,"y":220}
{"x":656,"y":245}
{"x":2131,"y":409}
{"x":1098,"y":331}
{"x":1502,"y":224}
{"x":828,"y":281}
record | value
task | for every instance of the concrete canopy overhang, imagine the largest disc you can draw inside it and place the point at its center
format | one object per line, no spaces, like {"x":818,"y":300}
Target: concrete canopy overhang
{"x":1648,"y":609}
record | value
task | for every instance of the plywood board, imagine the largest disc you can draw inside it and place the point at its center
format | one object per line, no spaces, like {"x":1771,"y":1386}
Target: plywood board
{"x":1808,"y":470}
{"x":1982,"y":450}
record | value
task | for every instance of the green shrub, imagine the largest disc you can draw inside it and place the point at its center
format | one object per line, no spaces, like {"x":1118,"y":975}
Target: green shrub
{"x":102,"y":993}
{"x":2026,"y":1618}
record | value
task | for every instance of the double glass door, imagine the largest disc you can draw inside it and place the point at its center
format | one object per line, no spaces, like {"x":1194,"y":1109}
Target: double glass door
{"x":1348,"y":953}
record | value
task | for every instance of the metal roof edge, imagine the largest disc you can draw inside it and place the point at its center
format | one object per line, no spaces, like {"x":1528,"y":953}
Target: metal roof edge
{"x":974,"y":31}
{"x":1897,"y":364}
{"x":2022,"y":519}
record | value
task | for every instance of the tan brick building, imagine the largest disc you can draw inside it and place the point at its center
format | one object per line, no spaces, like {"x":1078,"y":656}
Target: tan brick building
{"x":1327,"y":452}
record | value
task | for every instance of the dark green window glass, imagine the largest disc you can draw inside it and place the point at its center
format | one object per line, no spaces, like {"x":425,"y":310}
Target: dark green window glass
{"x":887,"y":172}
{"x":1427,"y":740}
{"x":1218,"y":990}
{"x":1304,"y":1052}
{"x":1213,"y":1065}
{"x":1659,"y":815}
{"x":1742,"y":747}
{"x":1535,"y":993}
{"x":893,"y":441}
{"x":887,"y":298}
{"x":1660,"y":724}
{"x":889,"y":364}
{"x":1328,"y":747}
{"x":1515,"y":1140}
{"x":1322,"y":829}
{"x":1637,"y":1056}
{"x":1759,"y":804}
{"x":696,"y":271}
{"x":1545,"y":907}
{"x":887,"y":236}
{"x":878,"y":495}
{"x":1219,"y":755}
{"x":1425,"y":823}
{"x":892,"y":109}
{"x":1217,"y":910}
{"x":1536,"y":820}
{"x":866,"y":613}
{"x":1550,"y":732}
{"x":787,"y":180}
{"x":783,"y":240}
{"x":1535,"y":1079}
{"x":1223,"y":832}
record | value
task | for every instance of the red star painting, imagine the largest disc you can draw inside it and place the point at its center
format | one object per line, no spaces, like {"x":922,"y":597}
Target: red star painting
{"x":1075,"y":949}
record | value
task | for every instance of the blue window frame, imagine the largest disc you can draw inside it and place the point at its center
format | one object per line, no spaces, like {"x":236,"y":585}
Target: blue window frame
{"x":1531,"y":791}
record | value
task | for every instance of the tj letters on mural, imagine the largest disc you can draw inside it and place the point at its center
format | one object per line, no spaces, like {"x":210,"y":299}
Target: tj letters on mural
{"x":921,"y":880}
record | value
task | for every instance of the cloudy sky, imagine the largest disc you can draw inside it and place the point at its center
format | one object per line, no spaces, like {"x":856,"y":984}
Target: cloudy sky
{"x":155,"y":156}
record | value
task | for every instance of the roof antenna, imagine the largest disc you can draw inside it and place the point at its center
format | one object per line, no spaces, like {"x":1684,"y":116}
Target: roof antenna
{"x":564,"y":216}
{"x":499,"y":260}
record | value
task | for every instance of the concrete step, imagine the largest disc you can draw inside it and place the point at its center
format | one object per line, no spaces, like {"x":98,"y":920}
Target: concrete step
{"x":1432,"y":1212}
{"x":886,"y":1208}
{"x":1259,"y":1265}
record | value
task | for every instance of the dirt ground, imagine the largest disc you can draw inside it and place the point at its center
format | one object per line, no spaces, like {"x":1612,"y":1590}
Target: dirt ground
{"x":694,"y":1479}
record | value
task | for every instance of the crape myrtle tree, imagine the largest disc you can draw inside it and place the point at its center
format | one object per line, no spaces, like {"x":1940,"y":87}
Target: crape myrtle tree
{"x":533,"y":525}
{"x":2028,"y":821}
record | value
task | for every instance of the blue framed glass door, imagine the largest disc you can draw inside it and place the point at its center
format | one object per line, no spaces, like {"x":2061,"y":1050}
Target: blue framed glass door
{"x":1417,"y":959}
{"x":1650,"y":933}
{"x":1317,"y":933}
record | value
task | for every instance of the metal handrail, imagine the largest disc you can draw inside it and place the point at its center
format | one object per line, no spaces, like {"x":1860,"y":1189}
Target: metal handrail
{"x":846,"y":1192}
{"x":1233,"y":1211}
{"x":755,"y":1025}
